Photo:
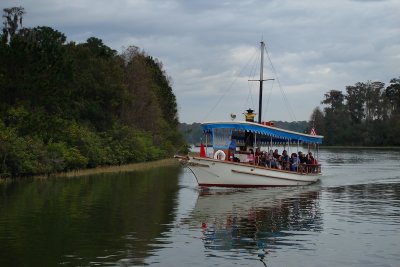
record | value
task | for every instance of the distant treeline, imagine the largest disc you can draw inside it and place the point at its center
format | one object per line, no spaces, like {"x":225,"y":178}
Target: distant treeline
{"x":66,"y":106}
{"x":368,"y":114}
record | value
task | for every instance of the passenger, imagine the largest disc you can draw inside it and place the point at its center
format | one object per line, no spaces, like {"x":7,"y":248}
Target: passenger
{"x":270,"y":161}
{"x":250,"y":156}
{"x":302,"y":158}
{"x":285,"y":160}
{"x":275,"y":160}
{"x":276,"y":154}
{"x":294,"y":162}
{"x":312,"y":162}
{"x":263,"y":159}
{"x":303,"y":162}
{"x":258,"y":156}
{"x":311,"y":159}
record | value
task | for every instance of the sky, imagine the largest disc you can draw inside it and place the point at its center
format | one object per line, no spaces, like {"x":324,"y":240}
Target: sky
{"x":210,"y":48}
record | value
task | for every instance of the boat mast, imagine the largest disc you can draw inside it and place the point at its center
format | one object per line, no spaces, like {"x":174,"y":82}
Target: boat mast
{"x":261,"y":82}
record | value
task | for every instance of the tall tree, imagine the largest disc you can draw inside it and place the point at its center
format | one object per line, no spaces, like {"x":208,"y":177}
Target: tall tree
{"x":392,"y":92}
{"x":317,"y":121}
{"x":336,"y":118}
{"x":13,"y":20}
{"x":374,"y":103}
{"x":356,"y":101}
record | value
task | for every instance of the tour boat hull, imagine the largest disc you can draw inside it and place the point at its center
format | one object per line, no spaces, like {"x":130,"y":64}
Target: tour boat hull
{"x":212,"y":172}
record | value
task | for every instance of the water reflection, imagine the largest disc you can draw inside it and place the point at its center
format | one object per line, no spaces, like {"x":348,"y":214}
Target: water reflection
{"x":95,"y":220}
{"x":256,"y":222}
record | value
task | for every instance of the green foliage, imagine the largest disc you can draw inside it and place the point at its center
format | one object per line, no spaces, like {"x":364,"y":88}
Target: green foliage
{"x":66,"y":106}
{"x":296,"y":126}
{"x":368,"y":115}
{"x":192,"y":132}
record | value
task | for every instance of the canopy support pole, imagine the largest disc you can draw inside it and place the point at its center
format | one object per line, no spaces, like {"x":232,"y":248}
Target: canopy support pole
{"x":255,"y":147}
{"x":206,"y":144}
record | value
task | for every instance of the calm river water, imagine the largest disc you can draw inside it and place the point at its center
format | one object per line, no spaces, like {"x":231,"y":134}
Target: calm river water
{"x":161,"y":218}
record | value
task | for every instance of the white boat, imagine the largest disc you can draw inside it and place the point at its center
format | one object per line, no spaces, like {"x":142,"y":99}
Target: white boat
{"x":235,"y":160}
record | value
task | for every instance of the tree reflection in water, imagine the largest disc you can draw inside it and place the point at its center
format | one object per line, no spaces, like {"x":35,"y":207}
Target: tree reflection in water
{"x":257,"y":221}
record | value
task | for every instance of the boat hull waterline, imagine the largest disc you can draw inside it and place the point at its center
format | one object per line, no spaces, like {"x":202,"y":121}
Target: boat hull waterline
{"x":211,"y":172}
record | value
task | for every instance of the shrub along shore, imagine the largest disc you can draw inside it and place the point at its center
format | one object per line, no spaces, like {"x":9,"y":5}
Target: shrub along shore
{"x":69,"y":106}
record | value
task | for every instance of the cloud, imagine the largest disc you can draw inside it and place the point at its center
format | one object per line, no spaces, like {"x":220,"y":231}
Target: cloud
{"x":210,"y":48}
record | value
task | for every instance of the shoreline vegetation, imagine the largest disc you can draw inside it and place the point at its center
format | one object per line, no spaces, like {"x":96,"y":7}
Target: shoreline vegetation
{"x":142,"y":166}
{"x":68,"y":106}
{"x":133,"y":167}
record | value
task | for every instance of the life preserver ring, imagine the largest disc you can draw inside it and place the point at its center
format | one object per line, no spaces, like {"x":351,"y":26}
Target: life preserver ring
{"x":220,"y":155}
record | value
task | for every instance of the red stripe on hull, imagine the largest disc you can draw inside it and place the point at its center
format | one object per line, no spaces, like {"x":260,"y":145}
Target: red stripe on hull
{"x":242,"y":185}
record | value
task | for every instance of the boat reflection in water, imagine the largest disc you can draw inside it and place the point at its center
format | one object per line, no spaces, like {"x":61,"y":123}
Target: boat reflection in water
{"x":256,"y":222}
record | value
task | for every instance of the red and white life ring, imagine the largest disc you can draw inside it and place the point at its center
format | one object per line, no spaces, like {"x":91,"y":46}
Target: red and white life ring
{"x":220,"y":155}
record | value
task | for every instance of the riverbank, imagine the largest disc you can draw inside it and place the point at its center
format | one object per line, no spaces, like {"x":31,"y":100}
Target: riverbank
{"x":119,"y":168}
{"x":103,"y":170}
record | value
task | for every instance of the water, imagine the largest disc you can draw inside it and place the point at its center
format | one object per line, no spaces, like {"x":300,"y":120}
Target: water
{"x":161,"y":218}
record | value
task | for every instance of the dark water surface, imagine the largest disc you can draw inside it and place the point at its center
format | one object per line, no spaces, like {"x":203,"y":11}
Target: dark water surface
{"x":161,"y":218}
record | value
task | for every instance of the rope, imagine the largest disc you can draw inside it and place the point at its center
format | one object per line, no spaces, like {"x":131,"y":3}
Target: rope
{"x":228,"y":89}
{"x":251,"y":85}
{"x":291,"y":112}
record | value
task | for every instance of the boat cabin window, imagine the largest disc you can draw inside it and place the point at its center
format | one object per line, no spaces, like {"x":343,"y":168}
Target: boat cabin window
{"x":221,"y":138}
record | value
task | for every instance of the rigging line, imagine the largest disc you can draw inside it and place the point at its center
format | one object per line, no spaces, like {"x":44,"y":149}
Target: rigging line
{"x":291,"y":112}
{"x":228,"y":89}
{"x":251,"y":85}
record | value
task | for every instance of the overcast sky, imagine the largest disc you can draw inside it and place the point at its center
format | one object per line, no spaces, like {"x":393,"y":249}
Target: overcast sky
{"x":210,"y":48}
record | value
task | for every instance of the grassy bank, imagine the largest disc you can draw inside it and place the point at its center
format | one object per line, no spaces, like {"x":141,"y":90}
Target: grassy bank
{"x":121,"y":168}
{"x":116,"y":168}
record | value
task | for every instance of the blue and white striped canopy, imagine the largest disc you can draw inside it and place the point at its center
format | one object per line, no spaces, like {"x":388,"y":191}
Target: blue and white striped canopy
{"x":275,"y":133}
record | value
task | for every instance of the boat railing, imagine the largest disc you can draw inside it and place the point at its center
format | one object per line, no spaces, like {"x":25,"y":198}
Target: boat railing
{"x":288,"y":166}
{"x":283,"y":165}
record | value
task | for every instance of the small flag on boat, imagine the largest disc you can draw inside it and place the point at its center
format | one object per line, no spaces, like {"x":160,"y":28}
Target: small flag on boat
{"x":313,"y":132}
{"x":202,"y":151}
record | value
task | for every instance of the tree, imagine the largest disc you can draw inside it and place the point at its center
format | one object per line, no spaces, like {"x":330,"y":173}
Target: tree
{"x":334,"y":99}
{"x":374,"y":102}
{"x":317,"y":121}
{"x":355,"y":101}
{"x":13,"y":20}
{"x":392,"y":92}
{"x":336,"y":118}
